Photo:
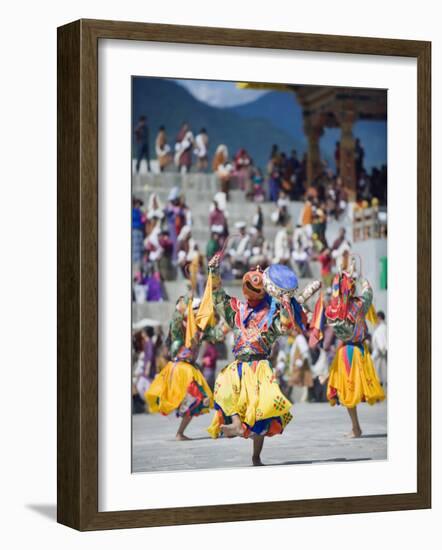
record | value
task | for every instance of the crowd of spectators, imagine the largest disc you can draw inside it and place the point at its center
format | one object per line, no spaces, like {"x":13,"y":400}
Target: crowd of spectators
{"x":164,"y":248}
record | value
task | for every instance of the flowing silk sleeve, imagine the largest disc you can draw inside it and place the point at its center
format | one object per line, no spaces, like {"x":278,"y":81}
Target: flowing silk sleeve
{"x":221,"y":300}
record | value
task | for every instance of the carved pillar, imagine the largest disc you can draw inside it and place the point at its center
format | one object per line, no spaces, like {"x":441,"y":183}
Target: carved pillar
{"x":347,"y":152}
{"x":313,"y":131}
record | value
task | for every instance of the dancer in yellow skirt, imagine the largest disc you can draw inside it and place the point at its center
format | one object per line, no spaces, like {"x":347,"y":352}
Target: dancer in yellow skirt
{"x":352,"y":377}
{"x":248,"y":400}
{"x":180,"y":386}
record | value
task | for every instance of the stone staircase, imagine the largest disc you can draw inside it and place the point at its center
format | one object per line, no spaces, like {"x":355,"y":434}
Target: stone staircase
{"x":199,"y":190}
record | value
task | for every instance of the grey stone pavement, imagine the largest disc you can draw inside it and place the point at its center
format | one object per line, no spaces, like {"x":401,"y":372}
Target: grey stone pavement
{"x":316,"y":434}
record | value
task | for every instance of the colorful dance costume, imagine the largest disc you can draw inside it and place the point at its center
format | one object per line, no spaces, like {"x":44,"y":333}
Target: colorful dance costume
{"x":180,"y":386}
{"x":352,"y":374}
{"x":248,"y":387}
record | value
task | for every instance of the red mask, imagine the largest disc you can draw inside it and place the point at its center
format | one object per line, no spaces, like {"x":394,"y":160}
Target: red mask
{"x":252,"y":286}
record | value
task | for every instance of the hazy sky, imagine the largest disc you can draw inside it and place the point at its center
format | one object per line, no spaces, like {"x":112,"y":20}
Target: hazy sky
{"x":220,"y":94}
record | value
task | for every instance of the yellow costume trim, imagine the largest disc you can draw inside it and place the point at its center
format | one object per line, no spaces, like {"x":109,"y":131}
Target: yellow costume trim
{"x":359,"y":384}
{"x":371,"y":315}
{"x":206,"y":312}
{"x":255,"y":396}
{"x":191,"y":328}
{"x":169,"y":388}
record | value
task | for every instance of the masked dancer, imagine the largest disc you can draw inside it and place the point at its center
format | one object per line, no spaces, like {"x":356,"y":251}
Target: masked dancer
{"x":352,"y":377}
{"x":180,"y":386}
{"x":248,"y":399}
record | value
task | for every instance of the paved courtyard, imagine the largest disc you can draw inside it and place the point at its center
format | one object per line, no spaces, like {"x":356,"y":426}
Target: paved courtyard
{"x":316,"y":434}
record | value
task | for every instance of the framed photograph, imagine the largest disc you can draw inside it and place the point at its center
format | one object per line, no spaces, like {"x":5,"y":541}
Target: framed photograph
{"x":244,"y":275}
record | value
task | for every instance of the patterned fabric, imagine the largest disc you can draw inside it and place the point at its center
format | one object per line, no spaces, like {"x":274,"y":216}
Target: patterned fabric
{"x":353,"y":378}
{"x":352,"y":327}
{"x":352,"y":375}
{"x":248,"y":387}
{"x":179,"y":387}
{"x":255,"y":329}
{"x":250,"y":390}
{"x":177,"y":333}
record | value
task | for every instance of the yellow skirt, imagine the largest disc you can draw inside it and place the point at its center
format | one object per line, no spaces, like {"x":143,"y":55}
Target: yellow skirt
{"x":353,"y":377}
{"x":251,"y":391}
{"x":179,"y":387}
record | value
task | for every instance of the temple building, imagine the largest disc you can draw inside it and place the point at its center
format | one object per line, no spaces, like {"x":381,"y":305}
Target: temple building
{"x":333,"y":107}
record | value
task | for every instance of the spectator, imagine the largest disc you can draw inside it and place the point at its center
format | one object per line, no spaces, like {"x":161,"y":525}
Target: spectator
{"x":187,"y":249}
{"x":301,"y":251}
{"x":222,"y":168}
{"x":137,"y":230}
{"x":154,"y":287}
{"x":210,"y":355}
{"x":242,"y":164}
{"x":258,"y":185}
{"x":218,"y":219}
{"x":282,"y":244}
{"x":201,"y":150}
{"x":142,"y":142}
{"x":274,"y":173}
{"x":162,"y":149}
{"x":183,"y":149}
{"x":175,"y":216}
{"x":214,"y":244}
{"x":300,"y":374}
{"x":380,"y":348}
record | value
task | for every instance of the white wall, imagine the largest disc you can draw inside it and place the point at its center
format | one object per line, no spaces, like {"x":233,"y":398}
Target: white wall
{"x":27,"y":215}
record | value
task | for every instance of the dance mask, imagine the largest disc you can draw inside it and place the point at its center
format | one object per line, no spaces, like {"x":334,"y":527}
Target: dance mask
{"x":253,"y":286}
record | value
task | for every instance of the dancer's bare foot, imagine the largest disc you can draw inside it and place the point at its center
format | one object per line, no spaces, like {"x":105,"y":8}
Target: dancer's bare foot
{"x":182,"y":437}
{"x":356,"y":431}
{"x":256,"y":461}
{"x":354,"y":434}
{"x":232,"y":430}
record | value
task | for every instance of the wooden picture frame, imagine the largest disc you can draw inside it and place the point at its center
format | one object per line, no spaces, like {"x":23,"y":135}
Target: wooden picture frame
{"x":78,"y":274}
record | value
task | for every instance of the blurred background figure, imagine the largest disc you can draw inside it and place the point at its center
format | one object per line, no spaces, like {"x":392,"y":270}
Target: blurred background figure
{"x":209,"y":357}
{"x":265,"y":204}
{"x":379,"y":344}
{"x":201,"y":150}
{"x":142,"y":142}
{"x":162,"y":149}
{"x":223,"y":168}
{"x":183,"y":149}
